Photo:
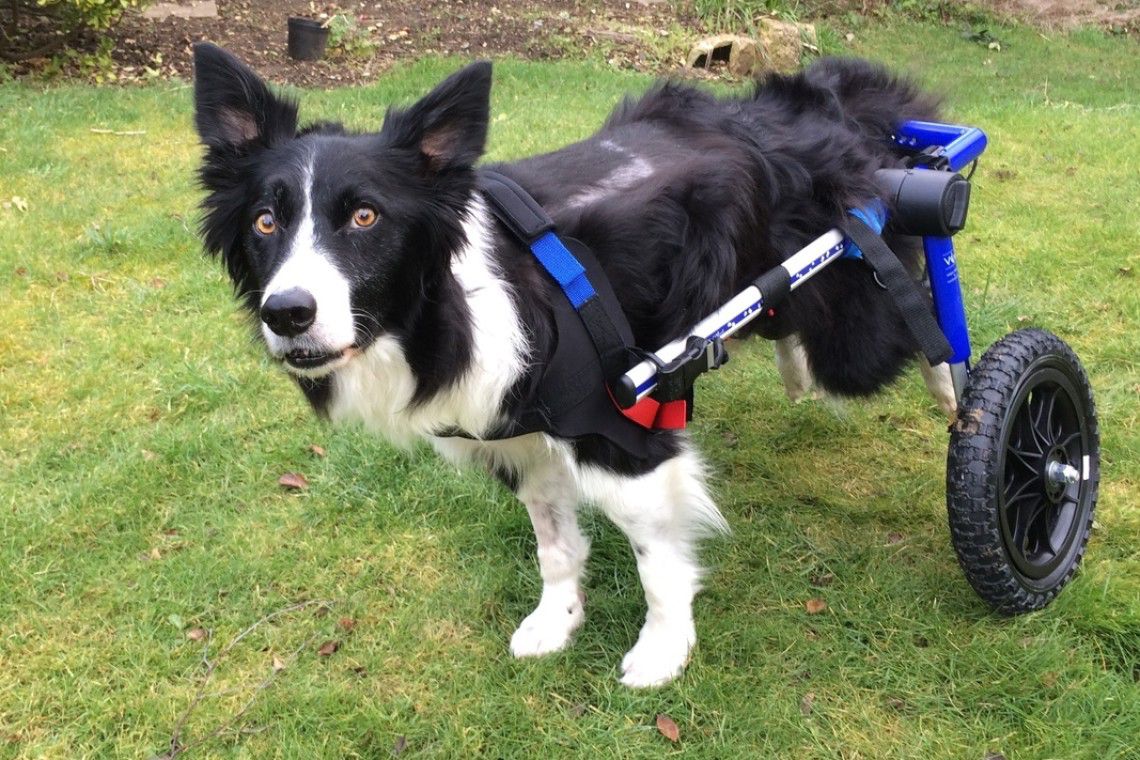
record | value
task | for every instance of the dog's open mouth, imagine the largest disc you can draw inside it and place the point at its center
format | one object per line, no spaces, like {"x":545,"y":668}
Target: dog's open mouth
{"x":309,"y":359}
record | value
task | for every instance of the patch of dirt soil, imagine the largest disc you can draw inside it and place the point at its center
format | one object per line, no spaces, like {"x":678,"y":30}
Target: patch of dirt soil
{"x":648,"y":35}
{"x":1117,"y":15}
{"x":632,"y":33}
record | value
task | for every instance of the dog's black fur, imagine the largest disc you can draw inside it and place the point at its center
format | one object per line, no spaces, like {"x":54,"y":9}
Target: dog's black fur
{"x":737,"y":184}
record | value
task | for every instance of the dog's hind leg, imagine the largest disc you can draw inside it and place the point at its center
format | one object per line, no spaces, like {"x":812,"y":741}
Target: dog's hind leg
{"x":663,"y":513}
{"x":549,"y":494}
{"x":941,"y":385}
{"x":792,"y":364}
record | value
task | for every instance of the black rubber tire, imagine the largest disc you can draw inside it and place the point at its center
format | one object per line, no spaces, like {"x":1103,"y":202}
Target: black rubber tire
{"x":979,"y":475}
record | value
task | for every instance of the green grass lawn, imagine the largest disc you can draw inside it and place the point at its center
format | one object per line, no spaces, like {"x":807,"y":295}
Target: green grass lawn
{"x":143,"y":433}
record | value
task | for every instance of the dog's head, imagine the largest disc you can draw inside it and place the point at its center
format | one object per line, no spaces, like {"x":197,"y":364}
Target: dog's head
{"x":333,"y":238}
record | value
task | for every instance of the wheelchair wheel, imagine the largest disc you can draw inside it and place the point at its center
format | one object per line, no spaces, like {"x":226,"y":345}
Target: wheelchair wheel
{"x":1022,"y":471}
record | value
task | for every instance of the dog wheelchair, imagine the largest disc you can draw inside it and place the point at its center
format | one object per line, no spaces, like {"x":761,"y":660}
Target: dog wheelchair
{"x":1023,"y":463}
{"x":1024,"y":454}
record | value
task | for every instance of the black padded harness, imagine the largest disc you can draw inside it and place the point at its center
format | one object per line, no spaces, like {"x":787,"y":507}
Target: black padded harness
{"x":570,"y":397}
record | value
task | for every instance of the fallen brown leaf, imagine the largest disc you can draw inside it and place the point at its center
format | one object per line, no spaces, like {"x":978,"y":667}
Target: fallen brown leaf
{"x":668,"y":728}
{"x":294,"y":481}
{"x":328,"y":648}
{"x":815,"y":606}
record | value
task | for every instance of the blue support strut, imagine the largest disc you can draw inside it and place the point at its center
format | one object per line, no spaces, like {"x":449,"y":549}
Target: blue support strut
{"x":945,"y":287}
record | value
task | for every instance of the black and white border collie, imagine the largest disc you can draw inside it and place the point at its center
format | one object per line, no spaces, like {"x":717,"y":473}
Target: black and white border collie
{"x":389,"y":292}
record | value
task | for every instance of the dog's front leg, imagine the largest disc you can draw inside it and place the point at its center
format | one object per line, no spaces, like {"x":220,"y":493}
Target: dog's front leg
{"x":551,"y":500}
{"x":662,"y":513}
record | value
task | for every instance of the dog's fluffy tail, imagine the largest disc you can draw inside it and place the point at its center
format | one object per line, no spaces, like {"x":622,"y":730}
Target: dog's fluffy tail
{"x":871,"y":96}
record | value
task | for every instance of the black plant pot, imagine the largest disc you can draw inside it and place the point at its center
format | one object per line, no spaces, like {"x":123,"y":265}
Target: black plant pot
{"x":307,"y":39}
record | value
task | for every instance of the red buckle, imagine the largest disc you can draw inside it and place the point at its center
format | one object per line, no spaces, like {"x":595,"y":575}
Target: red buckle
{"x":651,"y":414}
{"x":672,"y":415}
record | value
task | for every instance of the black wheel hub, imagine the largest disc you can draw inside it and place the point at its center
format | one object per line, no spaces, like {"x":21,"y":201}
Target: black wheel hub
{"x":1043,"y":440}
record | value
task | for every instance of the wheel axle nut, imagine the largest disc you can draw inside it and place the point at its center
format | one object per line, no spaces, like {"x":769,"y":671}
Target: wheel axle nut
{"x":1062,"y":473}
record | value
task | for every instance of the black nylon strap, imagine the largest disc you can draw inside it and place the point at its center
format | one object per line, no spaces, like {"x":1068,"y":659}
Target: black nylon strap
{"x":514,"y":207}
{"x":527,"y":221}
{"x":907,"y":296}
{"x":612,"y":350}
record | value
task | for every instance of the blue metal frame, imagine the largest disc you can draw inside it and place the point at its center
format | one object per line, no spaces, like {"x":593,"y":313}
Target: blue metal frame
{"x":959,"y":146}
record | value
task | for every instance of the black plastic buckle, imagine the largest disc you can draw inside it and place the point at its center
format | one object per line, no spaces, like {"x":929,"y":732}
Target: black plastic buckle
{"x":931,"y":157}
{"x":675,"y":379}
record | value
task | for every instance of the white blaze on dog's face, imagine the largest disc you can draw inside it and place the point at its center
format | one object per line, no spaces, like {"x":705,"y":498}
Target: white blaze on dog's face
{"x":308,"y":291}
{"x":333,"y":238}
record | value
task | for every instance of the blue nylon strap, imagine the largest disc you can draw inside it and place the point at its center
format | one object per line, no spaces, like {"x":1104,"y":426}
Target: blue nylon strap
{"x":566,"y":270}
{"x":874,"y":215}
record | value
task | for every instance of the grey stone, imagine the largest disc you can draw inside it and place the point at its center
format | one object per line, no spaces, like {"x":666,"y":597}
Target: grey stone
{"x":194,"y":9}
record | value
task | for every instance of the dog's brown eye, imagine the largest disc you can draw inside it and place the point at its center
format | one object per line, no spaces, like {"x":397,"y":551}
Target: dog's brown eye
{"x":265,"y":224}
{"x":364,"y":217}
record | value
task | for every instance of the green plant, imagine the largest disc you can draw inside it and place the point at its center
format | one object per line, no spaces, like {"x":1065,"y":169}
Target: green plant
{"x":733,"y":15}
{"x":35,"y":28}
{"x":95,"y":14}
{"x":347,"y":39}
{"x":725,"y":15}
{"x":96,"y":66}
{"x":105,"y":239}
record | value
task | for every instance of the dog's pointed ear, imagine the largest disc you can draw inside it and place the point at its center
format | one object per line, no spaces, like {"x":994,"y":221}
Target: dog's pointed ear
{"x":448,"y":127}
{"x":233,"y":107}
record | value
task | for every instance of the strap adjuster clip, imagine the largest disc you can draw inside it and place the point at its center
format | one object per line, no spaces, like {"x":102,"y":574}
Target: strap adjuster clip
{"x":675,"y":379}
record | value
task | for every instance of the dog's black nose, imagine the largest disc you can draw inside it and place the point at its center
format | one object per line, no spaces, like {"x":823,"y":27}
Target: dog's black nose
{"x":289,"y":313}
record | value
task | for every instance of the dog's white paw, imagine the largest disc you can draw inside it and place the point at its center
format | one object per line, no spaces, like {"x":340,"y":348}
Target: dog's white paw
{"x":659,"y":656}
{"x":547,"y":629}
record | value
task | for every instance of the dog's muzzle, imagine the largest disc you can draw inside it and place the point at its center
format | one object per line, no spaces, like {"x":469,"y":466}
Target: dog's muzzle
{"x":290,"y":314}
